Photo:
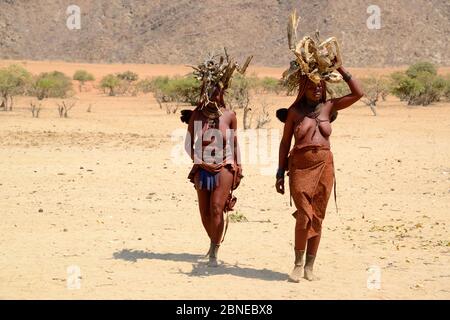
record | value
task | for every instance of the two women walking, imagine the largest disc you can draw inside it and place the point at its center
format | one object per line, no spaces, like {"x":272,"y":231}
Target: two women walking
{"x":309,"y":163}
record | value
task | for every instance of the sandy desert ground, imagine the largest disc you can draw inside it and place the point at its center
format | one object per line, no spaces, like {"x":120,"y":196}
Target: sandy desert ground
{"x":102,"y":191}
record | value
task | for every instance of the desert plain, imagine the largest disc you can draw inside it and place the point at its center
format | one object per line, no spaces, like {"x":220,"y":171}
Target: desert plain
{"x":103,"y":196}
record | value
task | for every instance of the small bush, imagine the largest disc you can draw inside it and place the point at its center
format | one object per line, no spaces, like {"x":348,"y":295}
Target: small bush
{"x":121,"y":84}
{"x":82,"y":76}
{"x":144,"y":86}
{"x":128,"y":76}
{"x":337,"y":90}
{"x":270,"y":85}
{"x":14,"y":80}
{"x":159,"y":82}
{"x":238,"y":94}
{"x":178,"y":89}
{"x":421,"y":67}
{"x":419,"y":85}
{"x":447,"y":87}
{"x":52,"y":85}
{"x":110,"y":83}
{"x":184,"y":90}
{"x":237,"y":217}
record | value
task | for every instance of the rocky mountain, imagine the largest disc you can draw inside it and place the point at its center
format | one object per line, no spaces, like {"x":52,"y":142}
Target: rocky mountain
{"x":184,"y":31}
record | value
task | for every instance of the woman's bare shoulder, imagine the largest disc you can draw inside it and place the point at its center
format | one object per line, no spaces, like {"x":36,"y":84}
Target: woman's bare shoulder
{"x":231,"y":114}
{"x":293,"y":114}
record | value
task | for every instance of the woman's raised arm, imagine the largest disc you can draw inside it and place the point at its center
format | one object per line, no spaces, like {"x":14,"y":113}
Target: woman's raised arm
{"x":355,"y":95}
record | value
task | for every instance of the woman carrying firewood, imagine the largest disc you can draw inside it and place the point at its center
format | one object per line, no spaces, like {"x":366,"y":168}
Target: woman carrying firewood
{"x":211,"y":142}
{"x":310,"y":162}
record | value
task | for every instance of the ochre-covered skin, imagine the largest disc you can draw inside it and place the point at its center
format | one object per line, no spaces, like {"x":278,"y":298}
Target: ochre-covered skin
{"x":211,"y":142}
{"x":310,"y":163}
{"x":212,"y":202}
{"x":224,"y":174}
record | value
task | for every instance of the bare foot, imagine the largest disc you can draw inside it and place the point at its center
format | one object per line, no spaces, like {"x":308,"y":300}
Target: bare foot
{"x":296,"y":274}
{"x":309,"y":268}
{"x":309,"y":275}
{"x":211,"y":248}
{"x":213,"y":262}
{"x":214,"y":250}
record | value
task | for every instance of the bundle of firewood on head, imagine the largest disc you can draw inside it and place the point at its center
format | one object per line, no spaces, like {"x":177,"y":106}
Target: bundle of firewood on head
{"x":315,"y":59}
{"x":215,"y":75}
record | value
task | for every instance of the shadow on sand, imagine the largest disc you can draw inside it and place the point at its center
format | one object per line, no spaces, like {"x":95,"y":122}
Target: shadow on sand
{"x":199,"y":267}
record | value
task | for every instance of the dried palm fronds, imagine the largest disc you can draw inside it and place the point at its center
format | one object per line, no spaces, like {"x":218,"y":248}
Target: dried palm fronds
{"x":316,"y":59}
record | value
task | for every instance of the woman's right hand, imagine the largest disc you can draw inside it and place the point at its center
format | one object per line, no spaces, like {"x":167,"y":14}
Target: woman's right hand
{"x":279,"y":185}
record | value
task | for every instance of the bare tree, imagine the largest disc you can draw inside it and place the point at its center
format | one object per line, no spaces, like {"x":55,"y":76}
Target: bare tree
{"x":374,"y":89}
{"x":247,"y":122}
{"x":64,"y":108}
{"x":172,"y":108}
{"x":263,"y":116}
{"x":160,"y":98}
{"x":35,"y":109}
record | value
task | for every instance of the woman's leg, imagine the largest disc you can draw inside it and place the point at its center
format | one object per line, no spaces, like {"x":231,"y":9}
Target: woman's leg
{"x":313,"y":245}
{"x":203,"y":203}
{"x":301,"y":236}
{"x":304,"y":209}
{"x":217,"y":203}
{"x":319,"y":205}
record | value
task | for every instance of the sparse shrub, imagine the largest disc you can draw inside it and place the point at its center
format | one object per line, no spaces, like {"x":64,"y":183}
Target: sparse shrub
{"x":128,"y":76}
{"x":238,"y":94}
{"x":144,"y":86}
{"x":238,"y":97}
{"x":14,"y":80}
{"x":82,"y":76}
{"x":183,"y":90}
{"x":237,"y":217}
{"x":447,"y":87}
{"x":52,"y":85}
{"x":421,"y":67}
{"x":337,"y":90}
{"x":110,"y":83}
{"x":128,"y":83}
{"x":156,"y":85}
{"x":270,"y":85}
{"x":159,"y":82}
{"x":419,"y":85}
{"x":175,"y":90}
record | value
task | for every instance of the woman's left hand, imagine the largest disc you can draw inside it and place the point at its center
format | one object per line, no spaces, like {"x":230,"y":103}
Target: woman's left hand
{"x":279,"y":185}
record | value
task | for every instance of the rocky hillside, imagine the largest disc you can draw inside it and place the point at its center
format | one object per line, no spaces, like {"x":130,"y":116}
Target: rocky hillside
{"x":183,"y":31}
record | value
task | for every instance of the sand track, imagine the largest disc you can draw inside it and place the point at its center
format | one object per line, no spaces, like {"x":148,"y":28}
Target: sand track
{"x":101,"y":191}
